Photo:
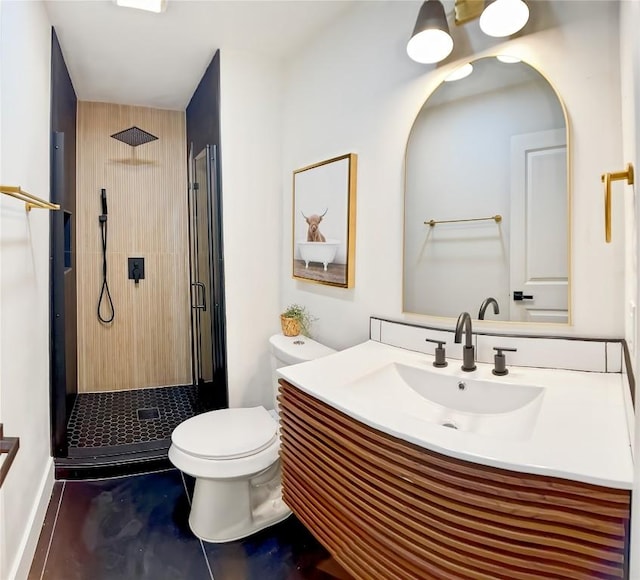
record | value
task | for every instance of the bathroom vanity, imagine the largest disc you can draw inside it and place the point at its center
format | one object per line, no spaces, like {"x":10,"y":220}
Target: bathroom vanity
{"x":402,"y":484}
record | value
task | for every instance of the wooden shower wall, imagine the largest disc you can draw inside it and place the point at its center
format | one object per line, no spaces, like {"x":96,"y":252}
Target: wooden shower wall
{"x":148,"y":343}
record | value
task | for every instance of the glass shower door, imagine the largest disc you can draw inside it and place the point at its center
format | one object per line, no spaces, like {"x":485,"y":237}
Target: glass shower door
{"x":202,"y":269}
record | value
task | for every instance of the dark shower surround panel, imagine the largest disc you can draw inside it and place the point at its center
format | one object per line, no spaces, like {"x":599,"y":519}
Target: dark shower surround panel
{"x":63,"y":315}
{"x":388,"y":509}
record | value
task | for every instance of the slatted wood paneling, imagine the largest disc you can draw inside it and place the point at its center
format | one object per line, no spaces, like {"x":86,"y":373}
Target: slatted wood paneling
{"x":387,"y":509}
{"x":148,"y":344}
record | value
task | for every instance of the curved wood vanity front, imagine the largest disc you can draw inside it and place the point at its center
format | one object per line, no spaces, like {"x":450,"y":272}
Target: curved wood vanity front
{"x":389,"y":509}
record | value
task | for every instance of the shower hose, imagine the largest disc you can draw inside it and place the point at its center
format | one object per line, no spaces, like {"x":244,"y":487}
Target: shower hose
{"x":104,"y":292}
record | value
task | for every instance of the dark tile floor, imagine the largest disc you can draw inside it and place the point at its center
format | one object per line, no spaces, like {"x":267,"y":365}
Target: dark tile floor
{"x":136,"y":528}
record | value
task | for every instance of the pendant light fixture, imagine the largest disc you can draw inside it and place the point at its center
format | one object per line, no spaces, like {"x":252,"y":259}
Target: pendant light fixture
{"x":430,"y":41}
{"x":503,"y":17}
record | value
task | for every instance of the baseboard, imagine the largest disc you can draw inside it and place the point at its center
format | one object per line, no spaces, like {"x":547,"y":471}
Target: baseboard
{"x":22,"y":562}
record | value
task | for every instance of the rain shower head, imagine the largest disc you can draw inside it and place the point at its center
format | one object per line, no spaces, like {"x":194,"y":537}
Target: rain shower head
{"x":134,"y":136}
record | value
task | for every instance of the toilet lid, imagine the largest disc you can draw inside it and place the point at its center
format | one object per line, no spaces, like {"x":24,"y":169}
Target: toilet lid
{"x":226,"y":433}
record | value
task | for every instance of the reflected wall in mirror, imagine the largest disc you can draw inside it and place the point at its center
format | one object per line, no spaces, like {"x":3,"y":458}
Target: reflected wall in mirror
{"x":492,"y":145}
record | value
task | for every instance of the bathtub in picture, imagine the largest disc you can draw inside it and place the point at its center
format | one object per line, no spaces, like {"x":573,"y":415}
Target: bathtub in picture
{"x":322,"y":252}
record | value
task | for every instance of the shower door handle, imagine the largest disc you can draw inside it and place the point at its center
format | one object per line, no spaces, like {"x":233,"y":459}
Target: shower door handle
{"x":203,"y":305}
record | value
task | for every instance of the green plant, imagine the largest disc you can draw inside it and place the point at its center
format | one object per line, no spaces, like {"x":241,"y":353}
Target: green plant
{"x":302,"y":315}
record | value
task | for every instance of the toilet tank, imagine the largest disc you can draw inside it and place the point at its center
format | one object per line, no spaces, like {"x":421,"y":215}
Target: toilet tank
{"x":291,"y":350}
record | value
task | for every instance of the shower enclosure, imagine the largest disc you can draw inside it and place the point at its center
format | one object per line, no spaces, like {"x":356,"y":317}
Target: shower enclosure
{"x":109,"y":430}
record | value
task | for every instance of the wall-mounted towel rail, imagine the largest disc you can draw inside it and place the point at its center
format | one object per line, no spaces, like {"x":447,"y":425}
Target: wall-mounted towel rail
{"x":607,"y":178}
{"x":8,"y":445}
{"x":29,"y":200}
{"x":496,"y":218}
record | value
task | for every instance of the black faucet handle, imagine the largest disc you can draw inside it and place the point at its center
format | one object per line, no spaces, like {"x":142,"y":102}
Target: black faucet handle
{"x":440,"y":354}
{"x":500,"y":360}
{"x":502,"y":349}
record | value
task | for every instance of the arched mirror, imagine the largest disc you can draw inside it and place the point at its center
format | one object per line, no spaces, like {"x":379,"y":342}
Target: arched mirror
{"x":487,"y":198}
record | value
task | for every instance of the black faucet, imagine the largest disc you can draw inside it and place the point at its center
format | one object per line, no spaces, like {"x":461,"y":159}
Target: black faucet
{"x":485,"y":305}
{"x":468,"y":350}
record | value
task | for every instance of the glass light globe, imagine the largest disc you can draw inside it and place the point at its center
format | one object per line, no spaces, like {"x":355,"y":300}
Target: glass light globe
{"x":504,"y":17}
{"x":430,"y":46}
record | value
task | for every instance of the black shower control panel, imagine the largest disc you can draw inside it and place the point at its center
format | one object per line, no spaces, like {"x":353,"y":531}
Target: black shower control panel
{"x":136,"y":269}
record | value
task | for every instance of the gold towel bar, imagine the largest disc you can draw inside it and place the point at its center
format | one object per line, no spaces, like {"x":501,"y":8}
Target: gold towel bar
{"x":496,"y":218}
{"x":607,"y":178}
{"x":29,"y":200}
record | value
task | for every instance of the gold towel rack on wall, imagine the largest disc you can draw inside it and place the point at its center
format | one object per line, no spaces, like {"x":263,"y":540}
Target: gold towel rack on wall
{"x":496,"y":218}
{"x":607,"y":178}
{"x":29,"y":200}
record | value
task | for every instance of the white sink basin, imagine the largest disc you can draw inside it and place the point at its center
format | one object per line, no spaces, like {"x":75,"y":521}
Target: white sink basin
{"x":494,"y":408}
{"x":466,"y":395}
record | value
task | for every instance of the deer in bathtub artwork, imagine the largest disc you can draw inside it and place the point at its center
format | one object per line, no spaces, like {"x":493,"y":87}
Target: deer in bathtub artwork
{"x":317,"y":248}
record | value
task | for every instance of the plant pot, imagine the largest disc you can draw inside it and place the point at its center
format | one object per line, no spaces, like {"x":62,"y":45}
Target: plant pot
{"x":290,"y":326}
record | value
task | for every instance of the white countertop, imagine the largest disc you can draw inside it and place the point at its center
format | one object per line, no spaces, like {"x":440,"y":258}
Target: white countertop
{"x":580,"y":432}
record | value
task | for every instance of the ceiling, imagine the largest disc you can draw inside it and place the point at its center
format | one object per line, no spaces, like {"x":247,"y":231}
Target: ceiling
{"x":128,"y":56}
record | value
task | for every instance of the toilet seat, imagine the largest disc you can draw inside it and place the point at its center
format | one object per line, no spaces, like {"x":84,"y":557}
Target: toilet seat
{"x":226,"y":434}
{"x":244,"y":442}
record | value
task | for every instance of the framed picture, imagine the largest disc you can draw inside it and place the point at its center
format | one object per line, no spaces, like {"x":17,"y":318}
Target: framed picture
{"x":324,"y":222}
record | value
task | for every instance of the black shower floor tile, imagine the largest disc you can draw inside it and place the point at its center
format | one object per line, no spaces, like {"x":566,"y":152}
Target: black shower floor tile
{"x":136,"y":528}
{"x":106,"y":423}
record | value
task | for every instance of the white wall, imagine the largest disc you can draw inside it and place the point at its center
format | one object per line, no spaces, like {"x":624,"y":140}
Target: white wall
{"x":24,"y":279}
{"x":630,"y":79}
{"x":355,"y":90}
{"x":250,"y":87}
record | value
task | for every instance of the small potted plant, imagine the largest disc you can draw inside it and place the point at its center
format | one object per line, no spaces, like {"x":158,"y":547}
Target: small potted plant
{"x":296,"y":320}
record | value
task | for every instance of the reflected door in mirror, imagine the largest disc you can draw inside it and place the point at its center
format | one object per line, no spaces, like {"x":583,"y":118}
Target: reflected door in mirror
{"x":539,"y":257}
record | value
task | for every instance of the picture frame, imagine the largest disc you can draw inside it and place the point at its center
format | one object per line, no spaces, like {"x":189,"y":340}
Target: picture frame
{"x":324,"y":222}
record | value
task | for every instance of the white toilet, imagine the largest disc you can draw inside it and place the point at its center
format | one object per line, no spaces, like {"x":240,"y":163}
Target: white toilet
{"x":233,"y":454}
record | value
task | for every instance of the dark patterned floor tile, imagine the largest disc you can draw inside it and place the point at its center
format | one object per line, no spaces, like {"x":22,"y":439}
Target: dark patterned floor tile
{"x":132,"y":528}
{"x":286,"y":551}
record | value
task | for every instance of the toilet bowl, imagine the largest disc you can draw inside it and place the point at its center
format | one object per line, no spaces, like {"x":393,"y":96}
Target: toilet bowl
{"x":233,"y":455}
